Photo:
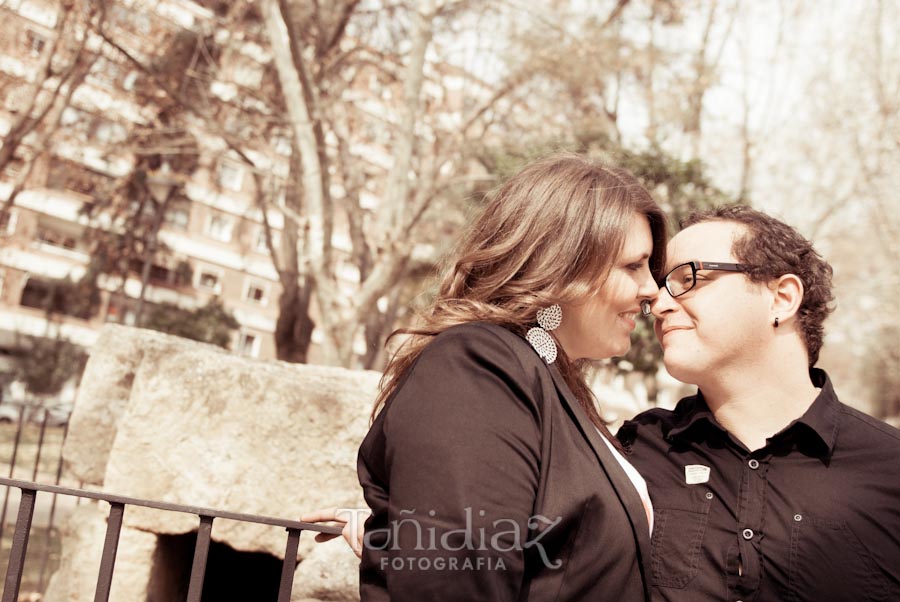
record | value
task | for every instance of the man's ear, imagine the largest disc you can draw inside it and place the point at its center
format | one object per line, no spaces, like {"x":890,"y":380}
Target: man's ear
{"x":787,"y":296}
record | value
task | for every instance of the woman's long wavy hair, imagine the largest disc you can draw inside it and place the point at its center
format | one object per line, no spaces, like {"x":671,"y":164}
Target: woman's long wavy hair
{"x":549,"y":235}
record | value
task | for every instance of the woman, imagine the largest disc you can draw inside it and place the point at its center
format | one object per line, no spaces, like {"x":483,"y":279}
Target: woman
{"x":488,"y":469}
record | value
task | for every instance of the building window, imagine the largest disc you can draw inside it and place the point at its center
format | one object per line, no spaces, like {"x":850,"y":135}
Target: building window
{"x":121,"y":311}
{"x":53,"y":296}
{"x":219,"y":227}
{"x":178,"y":216}
{"x":8,"y":222}
{"x":256,"y":292}
{"x":36,"y":43}
{"x":248,"y":344}
{"x":283,"y":146}
{"x":106,"y":71}
{"x":14,"y":167}
{"x":129,"y":81}
{"x":71,"y":116}
{"x":37,"y":294}
{"x":107,"y":132}
{"x":56,"y":239}
{"x":261,"y":246}
{"x":230,"y":176}
{"x":209,"y":280}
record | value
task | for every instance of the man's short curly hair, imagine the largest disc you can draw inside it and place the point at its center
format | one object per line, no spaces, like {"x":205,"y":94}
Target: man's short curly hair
{"x":772,"y":249}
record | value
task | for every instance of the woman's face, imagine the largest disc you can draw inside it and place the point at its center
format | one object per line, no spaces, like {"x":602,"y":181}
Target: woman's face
{"x":600,"y":326}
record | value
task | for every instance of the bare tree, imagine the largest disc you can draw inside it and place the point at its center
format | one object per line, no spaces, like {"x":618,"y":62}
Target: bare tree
{"x":64,"y":65}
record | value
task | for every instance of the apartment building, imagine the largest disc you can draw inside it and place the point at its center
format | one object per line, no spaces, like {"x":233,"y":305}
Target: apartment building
{"x":213,"y":238}
{"x":211,"y":242}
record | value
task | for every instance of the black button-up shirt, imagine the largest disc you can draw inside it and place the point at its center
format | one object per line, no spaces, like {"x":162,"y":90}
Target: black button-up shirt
{"x":812,"y":516}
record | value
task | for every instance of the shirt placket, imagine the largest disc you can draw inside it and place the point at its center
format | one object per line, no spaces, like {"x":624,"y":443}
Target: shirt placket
{"x":745,"y":567}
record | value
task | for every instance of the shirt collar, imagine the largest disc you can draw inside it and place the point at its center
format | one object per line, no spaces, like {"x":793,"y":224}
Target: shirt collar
{"x":820,"y":420}
{"x":691,"y":413}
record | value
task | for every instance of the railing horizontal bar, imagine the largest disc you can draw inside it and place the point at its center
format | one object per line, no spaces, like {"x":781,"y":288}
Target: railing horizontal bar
{"x":121,"y":499}
{"x":19,"y":546}
{"x":110,"y":546}
{"x":289,"y":566}
{"x":201,"y":553}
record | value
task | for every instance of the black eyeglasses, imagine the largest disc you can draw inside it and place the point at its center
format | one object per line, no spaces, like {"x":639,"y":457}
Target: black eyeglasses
{"x":683,"y":278}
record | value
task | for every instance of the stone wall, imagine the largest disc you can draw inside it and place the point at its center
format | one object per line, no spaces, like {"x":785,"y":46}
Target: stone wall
{"x":162,"y":418}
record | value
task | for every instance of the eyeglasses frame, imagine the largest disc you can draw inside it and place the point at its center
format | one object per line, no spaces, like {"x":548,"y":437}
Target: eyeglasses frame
{"x":697,"y":265}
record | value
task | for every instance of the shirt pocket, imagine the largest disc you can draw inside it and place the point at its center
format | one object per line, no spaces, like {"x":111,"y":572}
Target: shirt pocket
{"x":678,"y":529}
{"x":829,"y":562}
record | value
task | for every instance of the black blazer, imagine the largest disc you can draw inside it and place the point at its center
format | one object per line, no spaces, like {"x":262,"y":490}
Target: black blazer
{"x":487,"y":481}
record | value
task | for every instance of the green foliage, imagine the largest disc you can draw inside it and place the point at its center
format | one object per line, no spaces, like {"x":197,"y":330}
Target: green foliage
{"x":679,"y":186}
{"x":211,"y":323}
{"x":49,"y":363}
{"x":79,"y":299}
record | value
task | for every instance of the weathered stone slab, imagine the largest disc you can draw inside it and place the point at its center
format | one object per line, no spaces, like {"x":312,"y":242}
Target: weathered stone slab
{"x":329,"y":572}
{"x":105,"y":390}
{"x":220,"y":431}
{"x":171,"y":420}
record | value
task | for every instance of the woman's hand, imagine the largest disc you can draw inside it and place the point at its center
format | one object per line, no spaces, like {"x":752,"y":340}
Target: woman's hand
{"x":353,"y":521}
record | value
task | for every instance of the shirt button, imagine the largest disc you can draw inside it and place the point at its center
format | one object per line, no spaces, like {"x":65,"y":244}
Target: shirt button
{"x":747,"y":533}
{"x":709,"y":495}
{"x":754,"y":463}
{"x":798,"y":518}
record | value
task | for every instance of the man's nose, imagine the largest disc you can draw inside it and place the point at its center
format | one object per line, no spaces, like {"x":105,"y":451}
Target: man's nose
{"x":663,"y":303}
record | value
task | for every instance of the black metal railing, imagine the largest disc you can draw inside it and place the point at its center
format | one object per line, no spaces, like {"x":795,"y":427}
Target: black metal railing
{"x":28,"y":415}
{"x":118,"y":503}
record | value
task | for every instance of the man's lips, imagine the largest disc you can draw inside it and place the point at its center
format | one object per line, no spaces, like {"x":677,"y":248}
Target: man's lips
{"x":667,"y":329}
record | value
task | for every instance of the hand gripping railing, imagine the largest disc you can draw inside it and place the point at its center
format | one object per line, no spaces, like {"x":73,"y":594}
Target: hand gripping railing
{"x":114,"y":525}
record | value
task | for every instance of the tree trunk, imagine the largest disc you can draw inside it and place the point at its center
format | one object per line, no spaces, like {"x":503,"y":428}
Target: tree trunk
{"x":149,"y":251}
{"x":294,"y":328}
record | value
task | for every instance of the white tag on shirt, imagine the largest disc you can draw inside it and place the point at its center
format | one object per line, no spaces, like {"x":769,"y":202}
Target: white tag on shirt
{"x":696,"y":473}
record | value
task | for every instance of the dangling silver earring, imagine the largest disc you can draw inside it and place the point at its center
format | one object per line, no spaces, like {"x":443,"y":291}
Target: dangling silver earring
{"x":646,"y":310}
{"x":776,"y":322}
{"x":548,"y":319}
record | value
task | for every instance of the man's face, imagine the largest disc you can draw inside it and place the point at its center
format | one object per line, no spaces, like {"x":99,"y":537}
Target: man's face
{"x":720,"y":326}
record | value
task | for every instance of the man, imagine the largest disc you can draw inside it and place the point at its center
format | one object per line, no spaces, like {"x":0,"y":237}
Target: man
{"x":765,"y":486}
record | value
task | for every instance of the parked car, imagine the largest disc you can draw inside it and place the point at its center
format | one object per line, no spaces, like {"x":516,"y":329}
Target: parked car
{"x":56,"y":415}
{"x":36,"y":413}
{"x":9,"y":412}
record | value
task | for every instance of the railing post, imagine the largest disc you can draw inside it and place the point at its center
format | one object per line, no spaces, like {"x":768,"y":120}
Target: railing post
{"x":201,"y":551}
{"x":19,"y":546}
{"x":40,"y":445}
{"x":12,"y":467}
{"x":110,"y":546}
{"x":50,"y":523}
{"x":289,"y":566}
